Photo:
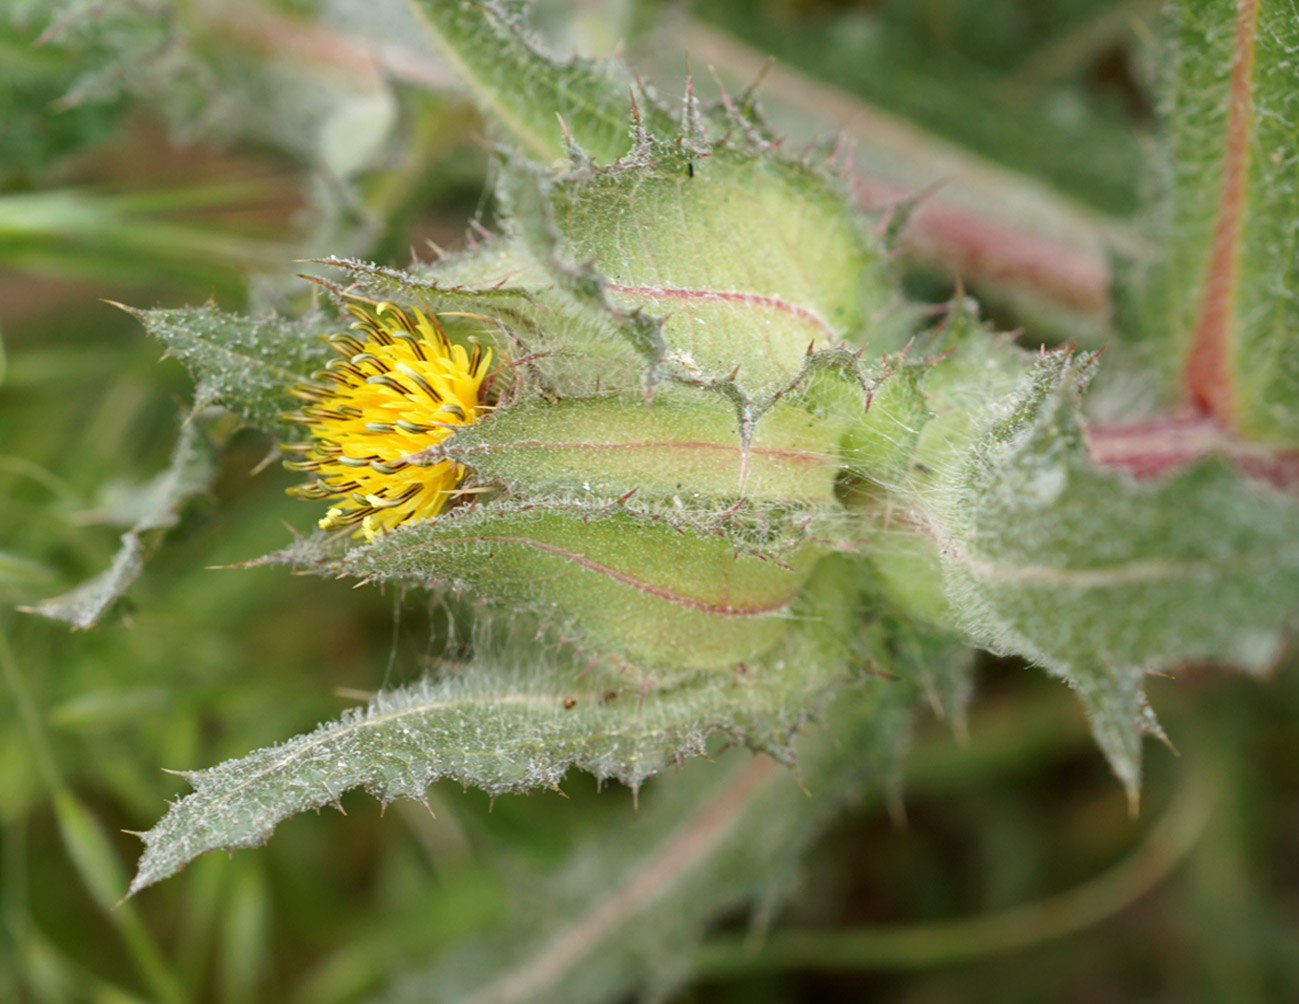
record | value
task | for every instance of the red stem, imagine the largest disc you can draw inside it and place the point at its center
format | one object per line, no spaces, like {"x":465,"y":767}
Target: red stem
{"x":1207,"y":378}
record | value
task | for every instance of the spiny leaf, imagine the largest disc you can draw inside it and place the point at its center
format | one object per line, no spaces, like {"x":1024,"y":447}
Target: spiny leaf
{"x":554,"y":343}
{"x":662,"y":594}
{"x":1223,"y":297}
{"x":512,"y":723}
{"x":525,"y":195}
{"x":621,"y":916}
{"x":883,"y":435}
{"x":493,"y":277}
{"x":245,"y":364}
{"x":748,"y":258}
{"x":1099,"y":578}
{"x":524,"y":90}
{"x":685,"y":443}
{"x":154,"y":507}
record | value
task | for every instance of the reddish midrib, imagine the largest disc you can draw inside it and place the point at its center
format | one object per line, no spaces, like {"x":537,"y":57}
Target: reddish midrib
{"x":804,"y":314}
{"x":1207,"y":377}
{"x":797,"y":457}
{"x":662,"y":592}
{"x":1153,"y":447}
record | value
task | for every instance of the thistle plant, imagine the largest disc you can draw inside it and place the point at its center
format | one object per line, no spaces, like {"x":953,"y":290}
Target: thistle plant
{"x":694,"y":470}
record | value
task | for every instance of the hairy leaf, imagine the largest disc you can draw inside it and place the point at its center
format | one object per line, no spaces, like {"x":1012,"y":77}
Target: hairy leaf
{"x":552,"y":341}
{"x":493,"y":278}
{"x":683,"y":445}
{"x":664,"y":592}
{"x":749,"y":258}
{"x":623,"y":915}
{"x":512,"y":723}
{"x":1223,"y":299}
{"x":883,"y":436}
{"x":1102,"y":579}
{"x":243,"y":363}
{"x":1018,"y":244}
{"x":524,"y":90}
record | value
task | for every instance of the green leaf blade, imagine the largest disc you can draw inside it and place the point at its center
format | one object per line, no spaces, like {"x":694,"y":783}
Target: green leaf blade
{"x":684,"y":445}
{"x":243,"y":363}
{"x":1100,"y":578}
{"x":525,"y":91}
{"x":511,"y":723}
{"x":622,"y":916}
{"x":564,"y":345}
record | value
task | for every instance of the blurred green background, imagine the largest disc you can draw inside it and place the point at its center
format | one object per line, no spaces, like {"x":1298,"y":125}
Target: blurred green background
{"x":163,"y":154}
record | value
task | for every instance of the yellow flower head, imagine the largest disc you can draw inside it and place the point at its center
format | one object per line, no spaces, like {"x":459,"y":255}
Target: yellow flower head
{"x":398,"y":388}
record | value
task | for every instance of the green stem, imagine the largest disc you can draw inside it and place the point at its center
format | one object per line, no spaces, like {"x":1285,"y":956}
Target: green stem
{"x":920,"y":946}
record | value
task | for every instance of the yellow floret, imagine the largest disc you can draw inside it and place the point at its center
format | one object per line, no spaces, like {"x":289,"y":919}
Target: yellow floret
{"x":399,"y":388}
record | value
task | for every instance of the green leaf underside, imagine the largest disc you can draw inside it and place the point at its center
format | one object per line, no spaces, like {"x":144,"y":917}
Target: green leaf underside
{"x":242,"y":363}
{"x":1226,"y":283}
{"x":511,"y":726}
{"x":153,"y":508}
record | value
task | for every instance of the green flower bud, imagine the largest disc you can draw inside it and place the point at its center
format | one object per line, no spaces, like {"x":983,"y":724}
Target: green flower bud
{"x":646,"y":527}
